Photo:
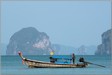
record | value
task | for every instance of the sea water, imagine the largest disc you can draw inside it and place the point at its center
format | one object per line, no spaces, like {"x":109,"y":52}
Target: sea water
{"x":12,"y":65}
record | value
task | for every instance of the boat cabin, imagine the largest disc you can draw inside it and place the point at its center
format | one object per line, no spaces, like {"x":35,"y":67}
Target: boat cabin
{"x":61,"y":59}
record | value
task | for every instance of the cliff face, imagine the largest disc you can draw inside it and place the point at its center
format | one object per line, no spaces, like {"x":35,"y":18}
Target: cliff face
{"x":30,"y":42}
{"x":106,"y":46}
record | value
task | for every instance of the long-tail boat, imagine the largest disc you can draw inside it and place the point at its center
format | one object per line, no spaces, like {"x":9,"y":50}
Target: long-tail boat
{"x":41,"y":64}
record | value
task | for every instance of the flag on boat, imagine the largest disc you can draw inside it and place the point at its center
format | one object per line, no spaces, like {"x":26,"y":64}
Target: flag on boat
{"x":52,"y":53}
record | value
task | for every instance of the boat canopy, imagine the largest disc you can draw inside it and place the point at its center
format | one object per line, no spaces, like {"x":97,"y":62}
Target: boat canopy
{"x":62,"y":57}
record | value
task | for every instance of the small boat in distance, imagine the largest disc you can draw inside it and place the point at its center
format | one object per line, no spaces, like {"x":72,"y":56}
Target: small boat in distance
{"x":40,"y":64}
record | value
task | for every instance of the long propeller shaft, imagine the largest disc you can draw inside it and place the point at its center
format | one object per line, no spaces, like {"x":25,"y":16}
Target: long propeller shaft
{"x":95,"y":64}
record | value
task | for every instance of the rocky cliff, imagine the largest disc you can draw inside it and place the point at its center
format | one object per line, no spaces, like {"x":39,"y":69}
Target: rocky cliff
{"x":29,"y":41}
{"x":106,"y":47}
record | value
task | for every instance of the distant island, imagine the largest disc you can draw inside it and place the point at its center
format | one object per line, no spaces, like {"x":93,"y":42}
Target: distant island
{"x":106,"y":47}
{"x":30,"y":41}
{"x":33,"y":42}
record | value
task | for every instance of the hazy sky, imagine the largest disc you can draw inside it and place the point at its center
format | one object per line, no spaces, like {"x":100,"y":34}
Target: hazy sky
{"x":72,"y":23}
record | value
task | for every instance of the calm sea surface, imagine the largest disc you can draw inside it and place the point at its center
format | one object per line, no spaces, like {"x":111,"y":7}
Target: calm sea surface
{"x":13,"y":65}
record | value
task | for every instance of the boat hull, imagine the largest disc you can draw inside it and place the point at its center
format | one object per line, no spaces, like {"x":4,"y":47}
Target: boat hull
{"x":39,"y":64}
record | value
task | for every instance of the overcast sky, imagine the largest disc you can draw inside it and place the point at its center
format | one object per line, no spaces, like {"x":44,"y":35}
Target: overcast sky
{"x":71,"y":23}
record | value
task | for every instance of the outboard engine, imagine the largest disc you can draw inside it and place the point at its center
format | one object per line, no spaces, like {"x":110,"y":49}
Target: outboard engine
{"x":81,"y":59}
